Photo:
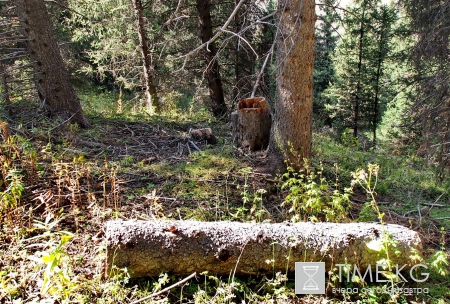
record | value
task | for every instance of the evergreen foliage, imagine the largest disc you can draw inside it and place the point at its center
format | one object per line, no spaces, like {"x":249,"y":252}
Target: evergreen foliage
{"x":106,"y":34}
{"x":429,"y":58}
{"x":359,"y":95}
{"x":381,"y":77}
{"x":324,"y":72}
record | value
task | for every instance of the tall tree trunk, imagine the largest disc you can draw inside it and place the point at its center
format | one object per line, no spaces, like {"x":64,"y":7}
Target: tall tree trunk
{"x":219,"y":108}
{"x":292,"y":126}
{"x":51,"y":76}
{"x":237,"y":27}
{"x":5,"y":85}
{"x":150,"y":88}
{"x":381,"y":55}
{"x":359,"y":74}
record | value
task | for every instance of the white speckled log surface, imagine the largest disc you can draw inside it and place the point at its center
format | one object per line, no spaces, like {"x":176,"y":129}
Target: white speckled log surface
{"x":148,"y":248}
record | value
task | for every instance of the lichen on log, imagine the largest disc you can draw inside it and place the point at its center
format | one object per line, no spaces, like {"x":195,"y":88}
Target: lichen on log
{"x":148,"y":248}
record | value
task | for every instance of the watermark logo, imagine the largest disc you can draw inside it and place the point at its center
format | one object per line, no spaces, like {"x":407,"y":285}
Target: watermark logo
{"x":310,"y":278}
{"x":380,"y":272}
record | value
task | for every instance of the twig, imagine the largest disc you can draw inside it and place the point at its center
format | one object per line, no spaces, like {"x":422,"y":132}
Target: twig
{"x":165,"y":289}
{"x":101,"y":152}
{"x":363,"y":202}
{"x":237,"y":262}
{"x":156,"y":147}
{"x":433,"y":205}
{"x":401,"y":216}
{"x":207,"y":43}
{"x":258,"y":79}
{"x":195,"y":146}
{"x":128,"y":128}
{"x":65,"y":121}
{"x":245,"y":40}
{"x":75,"y":151}
{"x":154,"y":197}
{"x":441,"y":195}
{"x":189,"y":149}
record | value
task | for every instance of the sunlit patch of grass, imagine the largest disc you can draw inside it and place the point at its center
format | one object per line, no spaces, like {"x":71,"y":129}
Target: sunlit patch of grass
{"x":207,"y":165}
{"x":211,"y":163}
{"x":404,"y":181}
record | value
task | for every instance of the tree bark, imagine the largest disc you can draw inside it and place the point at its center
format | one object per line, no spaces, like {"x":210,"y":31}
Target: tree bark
{"x":150,"y":88}
{"x":148,"y":248}
{"x":219,"y":108}
{"x":5,"y":90}
{"x":251,"y":127}
{"x":292,"y":126}
{"x":51,"y":76}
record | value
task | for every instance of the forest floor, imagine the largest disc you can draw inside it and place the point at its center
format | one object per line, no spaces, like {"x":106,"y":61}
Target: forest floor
{"x":61,"y":184}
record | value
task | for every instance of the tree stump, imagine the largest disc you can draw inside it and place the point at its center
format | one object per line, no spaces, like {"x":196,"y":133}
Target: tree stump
{"x":148,"y":248}
{"x":251,"y":123}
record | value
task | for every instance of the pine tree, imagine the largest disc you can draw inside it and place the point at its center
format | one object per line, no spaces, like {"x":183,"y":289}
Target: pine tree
{"x":292,"y":126}
{"x":382,"y":33}
{"x":357,"y":98}
{"x":430,"y":23}
{"x":51,"y":76}
{"x":324,"y":71}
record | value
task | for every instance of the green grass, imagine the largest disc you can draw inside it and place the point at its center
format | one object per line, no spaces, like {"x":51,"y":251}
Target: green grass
{"x":71,"y":187}
{"x":404,"y":181}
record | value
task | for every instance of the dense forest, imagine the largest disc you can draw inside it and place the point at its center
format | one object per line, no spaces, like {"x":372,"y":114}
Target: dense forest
{"x":147,"y":110}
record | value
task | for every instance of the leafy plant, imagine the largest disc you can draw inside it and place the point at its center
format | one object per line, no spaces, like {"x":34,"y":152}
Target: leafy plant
{"x":385,"y":245}
{"x":58,"y":278}
{"x":312,"y":197}
{"x":368,"y":181}
{"x":440,"y":259}
{"x":57,"y":274}
{"x":257,"y":212}
{"x":10,"y":198}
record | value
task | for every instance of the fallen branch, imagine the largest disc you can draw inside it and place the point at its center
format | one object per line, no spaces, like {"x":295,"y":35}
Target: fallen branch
{"x":434,"y":205}
{"x":165,"y":289}
{"x":195,"y":146}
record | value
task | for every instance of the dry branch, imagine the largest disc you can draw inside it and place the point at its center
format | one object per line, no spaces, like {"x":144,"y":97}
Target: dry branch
{"x":261,"y":73}
{"x":166,"y":289}
{"x":214,"y":38}
{"x":148,"y":248}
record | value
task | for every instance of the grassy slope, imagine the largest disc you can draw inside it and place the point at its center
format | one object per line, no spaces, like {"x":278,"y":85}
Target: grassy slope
{"x":134,"y":166}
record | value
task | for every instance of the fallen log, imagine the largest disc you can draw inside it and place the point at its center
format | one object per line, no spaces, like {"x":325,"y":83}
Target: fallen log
{"x":148,"y":248}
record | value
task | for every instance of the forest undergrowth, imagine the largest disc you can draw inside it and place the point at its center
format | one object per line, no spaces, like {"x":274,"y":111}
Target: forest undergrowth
{"x":60,"y":184}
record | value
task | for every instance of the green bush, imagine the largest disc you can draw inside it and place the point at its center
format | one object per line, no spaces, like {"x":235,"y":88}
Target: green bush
{"x":312,"y":197}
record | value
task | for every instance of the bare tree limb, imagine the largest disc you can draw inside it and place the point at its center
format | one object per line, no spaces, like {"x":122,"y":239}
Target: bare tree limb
{"x":258,"y":79}
{"x":214,"y":38}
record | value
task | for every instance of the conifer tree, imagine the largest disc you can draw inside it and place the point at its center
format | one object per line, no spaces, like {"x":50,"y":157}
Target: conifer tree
{"x":357,"y":98}
{"x":430,"y":23}
{"x":326,"y":42}
{"x":291,"y":133}
{"x":52,"y":80}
